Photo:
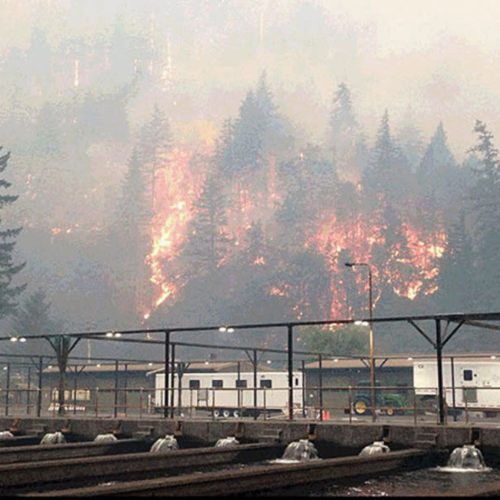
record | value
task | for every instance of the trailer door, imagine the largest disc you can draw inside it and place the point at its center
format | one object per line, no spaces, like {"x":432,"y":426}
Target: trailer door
{"x":469,"y":384}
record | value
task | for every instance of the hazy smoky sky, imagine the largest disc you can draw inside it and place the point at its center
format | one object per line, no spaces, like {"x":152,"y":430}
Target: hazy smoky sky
{"x":423,"y":60}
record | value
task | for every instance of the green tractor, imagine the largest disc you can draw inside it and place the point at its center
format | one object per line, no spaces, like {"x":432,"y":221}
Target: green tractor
{"x":390,"y":403}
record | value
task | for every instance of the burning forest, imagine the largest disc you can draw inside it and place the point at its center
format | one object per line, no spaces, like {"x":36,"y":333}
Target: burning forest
{"x":228,"y":176}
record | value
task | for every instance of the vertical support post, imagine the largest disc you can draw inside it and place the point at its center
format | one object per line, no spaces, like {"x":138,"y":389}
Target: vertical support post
{"x":166,"y":368}
{"x":255,"y":382}
{"x":415,"y":409}
{"x":40,"y":380}
{"x":466,"y":405}
{"x":320,"y":386}
{"x":172,"y":383}
{"x":141,"y":398}
{"x":238,"y":384}
{"x":290,"y":372}
{"x":75,"y":387}
{"x":115,"y":399}
{"x":97,"y":401}
{"x":7,"y":390}
{"x":350,"y":403}
{"x":125,"y":387}
{"x":303,"y":390}
{"x":439,"y":359}
{"x":372,"y":349}
{"x":28,"y":398}
{"x":452,"y":360}
{"x":180,"y":374}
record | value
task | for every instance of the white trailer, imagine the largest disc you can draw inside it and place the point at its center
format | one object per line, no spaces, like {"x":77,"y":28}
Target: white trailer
{"x":474,"y":383}
{"x":224,"y":394}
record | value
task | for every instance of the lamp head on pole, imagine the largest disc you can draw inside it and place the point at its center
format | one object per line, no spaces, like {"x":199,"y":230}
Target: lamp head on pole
{"x":349,"y":264}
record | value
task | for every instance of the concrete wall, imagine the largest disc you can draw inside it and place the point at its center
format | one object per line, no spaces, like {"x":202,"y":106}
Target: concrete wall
{"x":335,"y":436}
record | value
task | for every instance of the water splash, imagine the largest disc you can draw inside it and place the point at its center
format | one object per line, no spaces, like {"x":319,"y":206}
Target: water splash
{"x":376,"y":448}
{"x":465,"y":459}
{"x":53,"y":438}
{"x":105,"y":438}
{"x":228,"y":441}
{"x":168,"y":443}
{"x":299,"y":451}
{"x":6,"y":435}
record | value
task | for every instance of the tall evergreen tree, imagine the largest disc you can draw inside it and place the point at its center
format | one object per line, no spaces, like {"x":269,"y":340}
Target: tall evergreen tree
{"x":387,"y":177}
{"x":248,"y":136}
{"x":343,"y":134}
{"x":8,"y":270}
{"x":458,"y":277}
{"x":32,"y":319}
{"x":155,"y":142}
{"x":207,"y":241}
{"x":486,"y":200}
{"x":441,"y":183}
{"x":131,"y":236}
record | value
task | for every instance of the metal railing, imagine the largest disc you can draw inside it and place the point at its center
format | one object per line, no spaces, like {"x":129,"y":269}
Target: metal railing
{"x":344,"y":403}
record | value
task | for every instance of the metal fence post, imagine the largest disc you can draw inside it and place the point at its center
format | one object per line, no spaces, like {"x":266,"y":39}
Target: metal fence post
{"x":213,"y":403}
{"x":350,"y":404}
{"x":466,"y":405}
{"x":39,"y":395}
{"x":141,"y":400}
{"x":414,"y":407}
{"x":7,"y":390}
{"x":75,"y":388}
{"x":28,"y":398}
{"x":290,"y":372}
{"x":97,"y":401}
{"x":115,"y":399}
{"x":320,"y":381}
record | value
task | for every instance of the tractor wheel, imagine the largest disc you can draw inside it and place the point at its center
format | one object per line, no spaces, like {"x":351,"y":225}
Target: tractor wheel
{"x":360,"y":407}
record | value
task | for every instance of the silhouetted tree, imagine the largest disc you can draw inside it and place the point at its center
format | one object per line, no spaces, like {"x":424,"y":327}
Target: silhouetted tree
{"x":8,"y":270}
{"x":486,"y":201}
{"x":207,"y":241}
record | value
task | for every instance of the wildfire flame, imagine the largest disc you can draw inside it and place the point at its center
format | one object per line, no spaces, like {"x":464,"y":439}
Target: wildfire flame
{"x":176,"y":190}
{"x":411,"y":267}
{"x":410,"y":264}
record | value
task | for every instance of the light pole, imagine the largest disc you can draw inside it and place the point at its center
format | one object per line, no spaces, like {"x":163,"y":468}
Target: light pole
{"x":372,"y":359}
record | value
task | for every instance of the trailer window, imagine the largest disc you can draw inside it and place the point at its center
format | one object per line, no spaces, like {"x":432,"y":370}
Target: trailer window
{"x":266,"y":384}
{"x":241,"y":383}
{"x":296,"y":381}
{"x":467,"y":375}
{"x":194,"y":384}
{"x":217,"y":384}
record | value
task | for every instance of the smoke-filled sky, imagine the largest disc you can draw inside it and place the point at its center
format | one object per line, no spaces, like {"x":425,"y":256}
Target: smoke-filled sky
{"x":424,"y":60}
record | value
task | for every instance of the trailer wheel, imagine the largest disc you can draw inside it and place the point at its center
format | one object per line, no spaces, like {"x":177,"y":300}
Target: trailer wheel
{"x":216,"y":413}
{"x":226,"y":413}
{"x":360,"y":407}
{"x":389,"y":412}
{"x":236,"y":413}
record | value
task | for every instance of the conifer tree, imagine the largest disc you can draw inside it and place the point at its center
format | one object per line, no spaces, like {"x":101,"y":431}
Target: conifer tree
{"x":32,"y":319}
{"x":387,"y":177}
{"x":344,"y":137}
{"x":207,"y":242}
{"x":486,"y":200}
{"x":154,"y":145}
{"x":458,"y":277}
{"x":343,"y":124}
{"x":131,"y":233}
{"x":248,"y":136}
{"x":8,"y":270}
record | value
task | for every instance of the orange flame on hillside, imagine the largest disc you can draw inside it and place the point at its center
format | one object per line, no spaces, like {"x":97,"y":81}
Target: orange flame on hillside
{"x":176,"y":190}
{"x":411,"y":266}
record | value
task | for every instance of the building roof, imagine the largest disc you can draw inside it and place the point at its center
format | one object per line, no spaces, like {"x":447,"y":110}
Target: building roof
{"x":400,"y":360}
{"x":219,"y":367}
{"x":105,"y":368}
